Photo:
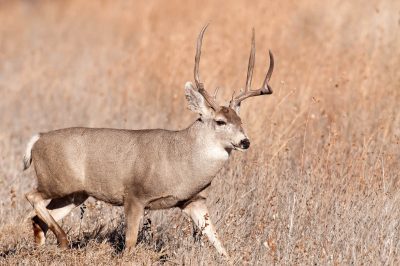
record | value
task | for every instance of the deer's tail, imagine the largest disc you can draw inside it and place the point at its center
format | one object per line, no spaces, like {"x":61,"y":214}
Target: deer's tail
{"x":28,"y":152}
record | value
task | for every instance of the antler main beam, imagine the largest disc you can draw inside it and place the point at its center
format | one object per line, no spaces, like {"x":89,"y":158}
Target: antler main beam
{"x":199,"y":85}
{"x":265,"y":88}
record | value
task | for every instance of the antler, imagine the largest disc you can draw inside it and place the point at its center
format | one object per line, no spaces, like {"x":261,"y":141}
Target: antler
{"x":199,"y":85}
{"x":248,"y":92}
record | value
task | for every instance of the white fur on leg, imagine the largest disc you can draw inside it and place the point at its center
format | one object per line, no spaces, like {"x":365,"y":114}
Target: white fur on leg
{"x":199,"y":214}
{"x":60,"y":213}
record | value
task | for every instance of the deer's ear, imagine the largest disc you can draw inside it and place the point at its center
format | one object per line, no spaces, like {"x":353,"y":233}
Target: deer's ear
{"x":196,"y":101}
{"x":236,"y":108}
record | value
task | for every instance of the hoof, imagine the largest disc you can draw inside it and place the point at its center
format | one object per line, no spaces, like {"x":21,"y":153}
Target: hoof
{"x":63,"y":243}
{"x":129,"y":250}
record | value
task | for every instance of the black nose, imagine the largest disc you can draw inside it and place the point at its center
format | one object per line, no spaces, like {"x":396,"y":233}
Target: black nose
{"x":245,"y":143}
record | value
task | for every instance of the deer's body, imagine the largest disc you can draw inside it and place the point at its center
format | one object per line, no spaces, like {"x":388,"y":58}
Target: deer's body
{"x":139,"y":169}
{"x":161,"y":168}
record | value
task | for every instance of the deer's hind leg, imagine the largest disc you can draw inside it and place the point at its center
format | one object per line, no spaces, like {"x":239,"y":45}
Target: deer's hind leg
{"x":47,"y":217}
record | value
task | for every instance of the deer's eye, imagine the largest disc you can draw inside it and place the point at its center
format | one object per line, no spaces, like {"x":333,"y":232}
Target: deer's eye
{"x":220,"y":122}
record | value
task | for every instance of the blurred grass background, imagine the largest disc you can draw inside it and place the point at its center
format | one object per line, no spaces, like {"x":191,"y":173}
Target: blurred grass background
{"x":320,"y":182}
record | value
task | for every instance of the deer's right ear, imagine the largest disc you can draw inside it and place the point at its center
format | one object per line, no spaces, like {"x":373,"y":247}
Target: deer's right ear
{"x":196,"y":101}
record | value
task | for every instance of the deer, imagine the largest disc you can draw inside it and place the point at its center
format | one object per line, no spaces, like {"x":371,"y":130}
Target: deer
{"x":149,"y":169}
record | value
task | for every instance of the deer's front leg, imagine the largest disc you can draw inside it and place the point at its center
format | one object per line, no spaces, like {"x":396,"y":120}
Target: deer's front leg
{"x":133,"y":215}
{"x":197,"y":210}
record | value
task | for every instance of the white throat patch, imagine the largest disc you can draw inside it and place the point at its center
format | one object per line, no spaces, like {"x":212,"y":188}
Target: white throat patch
{"x":217,"y":153}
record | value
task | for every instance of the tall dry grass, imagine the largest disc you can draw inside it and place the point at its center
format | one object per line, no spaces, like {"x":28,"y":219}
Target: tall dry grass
{"x":320,"y":184}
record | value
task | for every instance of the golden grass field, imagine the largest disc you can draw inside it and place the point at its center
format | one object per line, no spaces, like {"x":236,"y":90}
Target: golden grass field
{"x":320,"y":183}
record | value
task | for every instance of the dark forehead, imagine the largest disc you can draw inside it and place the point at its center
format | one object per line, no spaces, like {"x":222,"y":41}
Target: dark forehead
{"x":230,"y":115}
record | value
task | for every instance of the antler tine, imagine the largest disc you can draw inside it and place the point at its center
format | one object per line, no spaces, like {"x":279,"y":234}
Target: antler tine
{"x":252,"y":58}
{"x":199,"y":84}
{"x":265,"y":87}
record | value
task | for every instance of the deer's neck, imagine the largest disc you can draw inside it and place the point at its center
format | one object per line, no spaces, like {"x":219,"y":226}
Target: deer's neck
{"x":209,"y":155}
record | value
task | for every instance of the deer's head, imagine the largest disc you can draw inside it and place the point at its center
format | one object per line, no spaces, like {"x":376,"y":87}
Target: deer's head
{"x":225,"y":121}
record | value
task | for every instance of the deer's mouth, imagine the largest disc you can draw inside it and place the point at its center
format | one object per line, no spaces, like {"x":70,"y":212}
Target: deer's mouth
{"x":237,"y":147}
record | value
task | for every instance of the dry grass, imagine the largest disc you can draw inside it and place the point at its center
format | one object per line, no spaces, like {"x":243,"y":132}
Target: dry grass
{"x":320,"y":183}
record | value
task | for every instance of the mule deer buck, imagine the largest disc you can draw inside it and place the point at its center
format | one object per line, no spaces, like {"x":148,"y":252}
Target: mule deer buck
{"x":140,"y":169}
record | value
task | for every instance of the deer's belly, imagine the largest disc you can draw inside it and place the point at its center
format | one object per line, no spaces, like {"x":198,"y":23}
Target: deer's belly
{"x":177,"y":197}
{"x":164,"y":202}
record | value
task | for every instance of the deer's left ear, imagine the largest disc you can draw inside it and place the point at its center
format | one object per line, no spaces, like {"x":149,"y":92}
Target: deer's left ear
{"x":196,"y":101}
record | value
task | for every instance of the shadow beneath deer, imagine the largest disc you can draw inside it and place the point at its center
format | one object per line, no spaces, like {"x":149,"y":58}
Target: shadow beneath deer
{"x":116,"y":237}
